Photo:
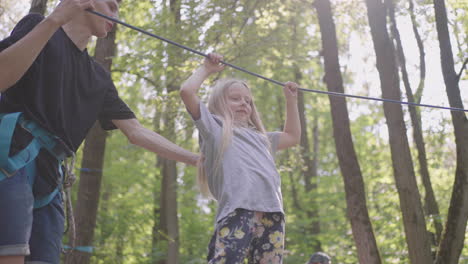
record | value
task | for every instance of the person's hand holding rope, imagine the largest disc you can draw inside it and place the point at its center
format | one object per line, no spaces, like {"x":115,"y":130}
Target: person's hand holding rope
{"x":68,"y":9}
{"x":212,"y":63}
{"x":290,"y":91}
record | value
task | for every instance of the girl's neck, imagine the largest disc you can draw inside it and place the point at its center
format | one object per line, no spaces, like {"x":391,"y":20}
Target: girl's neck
{"x":238,"y":123}
{"x":244,"y":125}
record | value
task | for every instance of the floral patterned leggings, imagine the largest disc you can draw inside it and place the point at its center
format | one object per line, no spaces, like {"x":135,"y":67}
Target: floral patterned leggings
{"x":259,"y":236}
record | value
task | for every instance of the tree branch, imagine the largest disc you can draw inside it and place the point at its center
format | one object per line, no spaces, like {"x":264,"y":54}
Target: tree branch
{"x":461,"y":70}
{"x":151,"y":81}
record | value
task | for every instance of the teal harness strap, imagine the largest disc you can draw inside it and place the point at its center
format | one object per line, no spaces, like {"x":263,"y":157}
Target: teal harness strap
{"x":25,"y":158}
{"x":30,"y":170}
{"x":45,"y":139}
{"x":43,"y":201}
{"x":7,"y":127}
{"x":86,"y":249}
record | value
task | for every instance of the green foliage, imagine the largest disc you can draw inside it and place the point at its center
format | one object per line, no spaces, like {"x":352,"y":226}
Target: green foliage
{"x":270,"y":38}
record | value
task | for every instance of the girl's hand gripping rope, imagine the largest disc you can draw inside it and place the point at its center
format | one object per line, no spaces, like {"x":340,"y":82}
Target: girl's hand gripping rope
{"x":212,"y":63}
{"x":292,"y":126}
{"x":290,"y":91}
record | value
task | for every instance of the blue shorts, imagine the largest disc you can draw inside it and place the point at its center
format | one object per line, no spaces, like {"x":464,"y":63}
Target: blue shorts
{"x":35,"y":233}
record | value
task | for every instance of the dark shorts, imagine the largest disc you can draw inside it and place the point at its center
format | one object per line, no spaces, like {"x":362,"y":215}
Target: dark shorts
{"x":257,"y":236}
{"x":35,"y":233}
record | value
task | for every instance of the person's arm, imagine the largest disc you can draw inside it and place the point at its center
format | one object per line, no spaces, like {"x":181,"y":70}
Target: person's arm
{"x":291,"y":134}
{"x":16,"y":59}
{"x":189,"y":89}
{"x":152,"y":141}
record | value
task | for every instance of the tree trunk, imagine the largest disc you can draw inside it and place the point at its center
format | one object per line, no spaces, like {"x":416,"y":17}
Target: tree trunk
{"x":168,"y":216}
{"x":432,"y":209}
{"x":308,"y":156}
{"x":90,"y":179}
{"x":88,"y":195}
{"x":166,"y":227}
{"x":405,"y":179}
{"x":453,"y":237}
{"x":106,"y":230}
{"x":38,"y":6}
{"x":169,"y":223}
{"x":354,"y":184}
{"x":310,"y":173}
{"x":119,"y":250}
{"x":422,"y":55}
{"x":159,"y":222}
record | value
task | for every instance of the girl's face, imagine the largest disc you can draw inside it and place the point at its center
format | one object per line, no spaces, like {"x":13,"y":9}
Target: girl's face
{"x":239,"y":101}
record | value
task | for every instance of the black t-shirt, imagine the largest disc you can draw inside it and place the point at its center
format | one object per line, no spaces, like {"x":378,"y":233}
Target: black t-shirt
{"x":65,"y":91}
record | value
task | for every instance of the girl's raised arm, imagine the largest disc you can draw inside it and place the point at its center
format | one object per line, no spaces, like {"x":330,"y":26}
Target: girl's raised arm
{"x":189,"y":89}
{"x":292,"y":127}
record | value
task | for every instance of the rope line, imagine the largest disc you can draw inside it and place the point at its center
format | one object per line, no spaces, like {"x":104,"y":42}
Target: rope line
{"x":269,"y":79}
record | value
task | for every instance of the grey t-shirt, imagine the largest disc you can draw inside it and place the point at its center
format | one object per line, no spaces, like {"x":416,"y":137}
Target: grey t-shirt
{"x":247,"y":177}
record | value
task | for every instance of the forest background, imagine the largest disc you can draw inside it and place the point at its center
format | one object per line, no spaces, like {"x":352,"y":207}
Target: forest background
{"x":132,"y":207}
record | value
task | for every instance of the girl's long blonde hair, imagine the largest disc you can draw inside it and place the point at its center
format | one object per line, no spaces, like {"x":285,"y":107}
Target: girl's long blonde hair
{"x":217,"y":105}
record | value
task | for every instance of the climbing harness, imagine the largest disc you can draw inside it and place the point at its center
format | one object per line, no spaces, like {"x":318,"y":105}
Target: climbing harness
{"x":42,"y":139}
{"x":25,"y":159}
{"x":271,"y":80}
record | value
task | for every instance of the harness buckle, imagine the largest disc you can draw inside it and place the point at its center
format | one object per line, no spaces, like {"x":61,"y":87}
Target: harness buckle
{"x":60,"y":150}
{"x":6,"y":173}
{"x":53,"y":144}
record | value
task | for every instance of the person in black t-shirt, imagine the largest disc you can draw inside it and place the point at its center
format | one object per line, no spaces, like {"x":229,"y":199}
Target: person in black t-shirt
{"x":47,"y":74}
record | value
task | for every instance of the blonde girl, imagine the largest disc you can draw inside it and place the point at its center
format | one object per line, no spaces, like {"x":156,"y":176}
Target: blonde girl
{"x":238,"y":169}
